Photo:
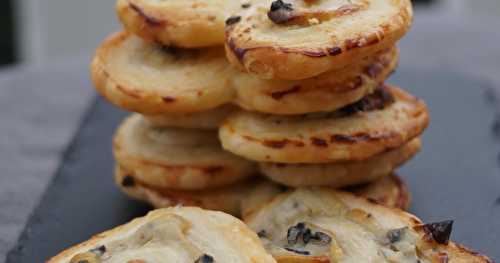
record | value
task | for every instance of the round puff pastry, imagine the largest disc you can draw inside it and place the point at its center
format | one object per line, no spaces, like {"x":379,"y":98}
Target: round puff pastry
{"x":186,"y":23}
{"x":179,"y":234}
{"x":323,"y":225}
{"x":343,"y":174}
{"x":390,"y":191}
{"x":206,"y":120}
{"x":227,"y":199}
{"x":152,"y":79}
{"x":385,"y":120}
{"x":176,"y":158}
{"x":296,"y":39}
{"x":326,"y":92}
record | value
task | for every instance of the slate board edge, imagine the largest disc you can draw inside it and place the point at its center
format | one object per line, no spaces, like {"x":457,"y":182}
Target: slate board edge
{"x":65,"y":157}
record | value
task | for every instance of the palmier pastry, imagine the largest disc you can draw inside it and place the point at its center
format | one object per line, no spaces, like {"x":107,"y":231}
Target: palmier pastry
{"x":179,"y":234}
{"x":323,"y":225}
{"x":183,"y":159}
{"x":296,"y":39}
{"x":153,"y":79}
{"x":384,"y":120}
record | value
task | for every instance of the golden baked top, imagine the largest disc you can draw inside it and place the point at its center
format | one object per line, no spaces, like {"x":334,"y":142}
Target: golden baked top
{"x":297,"y":39}
{"x":180,"y":234}
{"x":152,"y":79}
{"x":379,"y":122}
{"x":184,"y":23}
{"x":323,"y":225}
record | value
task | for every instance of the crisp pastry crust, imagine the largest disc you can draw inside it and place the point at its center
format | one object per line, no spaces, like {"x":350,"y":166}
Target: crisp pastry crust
{"x":323,"y":225}
{"x":344,"y":174}
{"x":152,"y":79}
{"x":294,"y":39}
{"x":326,"y":92}
{"x":179,"y":234}
{"x":186,"y":23}
{"x":176,"y":158}
{"x":390,"y":191}
{"x":227,"y":199}
{"x":174,"y":83}
{"x":385,"y":120}
{"x":206,"y":120}
{"x":244,"y":198}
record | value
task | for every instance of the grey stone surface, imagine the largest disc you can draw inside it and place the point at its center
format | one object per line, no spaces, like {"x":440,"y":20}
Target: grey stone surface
{"x":40,"y":108}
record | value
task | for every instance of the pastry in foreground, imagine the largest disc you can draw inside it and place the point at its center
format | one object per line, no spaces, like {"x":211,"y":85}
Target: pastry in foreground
{"x":186,"y":23}
{"x":180,"y":234}
{"x":323,"y":225}
{"x":293,"y":39}
{"x":384,"y":120}
{"x":174,"y":158}
{"x":341,"y":174}
{"x":152,"y":79}
{"x":326,"y":92}
{"x":390,"y":191}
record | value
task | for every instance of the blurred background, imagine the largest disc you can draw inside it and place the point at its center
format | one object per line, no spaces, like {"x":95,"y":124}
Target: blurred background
{"x":36,"y":32}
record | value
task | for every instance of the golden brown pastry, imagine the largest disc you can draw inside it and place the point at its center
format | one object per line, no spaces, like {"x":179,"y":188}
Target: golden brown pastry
{"x":153,"y":79}
{"x":341,"y":174}
{"x":326,"y":92}
{"x":179,"y":234}
{"x":323,"y":225}
{"x":186,"y":23}
{"x":174,"y":158}
{"x":295,"y":39}
{"x":390,"y":191}
{"x":206,"y":120}
{"x":226,"y":198}
{"x":384,"y":120}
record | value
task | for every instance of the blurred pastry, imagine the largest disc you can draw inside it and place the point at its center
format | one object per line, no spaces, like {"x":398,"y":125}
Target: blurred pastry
{"x":341,"y":174}
{"x":186,"y":23}
{"x":225,"y":198}
{"x":204,"y":120}
{"x":390,"y":191}
{"x":183,"y":159}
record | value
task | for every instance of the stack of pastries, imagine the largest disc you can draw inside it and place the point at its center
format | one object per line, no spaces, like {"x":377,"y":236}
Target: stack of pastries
{"x":263,"y":109}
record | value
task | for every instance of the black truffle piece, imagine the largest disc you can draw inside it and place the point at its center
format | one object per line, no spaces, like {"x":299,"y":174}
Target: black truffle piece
{"x":301,"y":252}
{"x":280,"y":12}
{"x":321,"y":238}
{"x":205,"y":259}
{"x":99,"y":250}
{"x":233,"y":20}
{"x":395,"y":235}
{"x":440,"y":231}
{"x":294,"y":233}
{"x":128,"y":181}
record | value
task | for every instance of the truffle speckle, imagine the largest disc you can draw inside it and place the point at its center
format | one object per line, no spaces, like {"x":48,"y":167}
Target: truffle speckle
{"x":439,"y":231}
{"x":280,"y":12}
{"x":205,"y":259}
{"x":233,"y":20}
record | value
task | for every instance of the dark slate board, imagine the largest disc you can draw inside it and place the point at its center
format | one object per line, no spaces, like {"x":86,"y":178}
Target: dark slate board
{"x":456,"y":176}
